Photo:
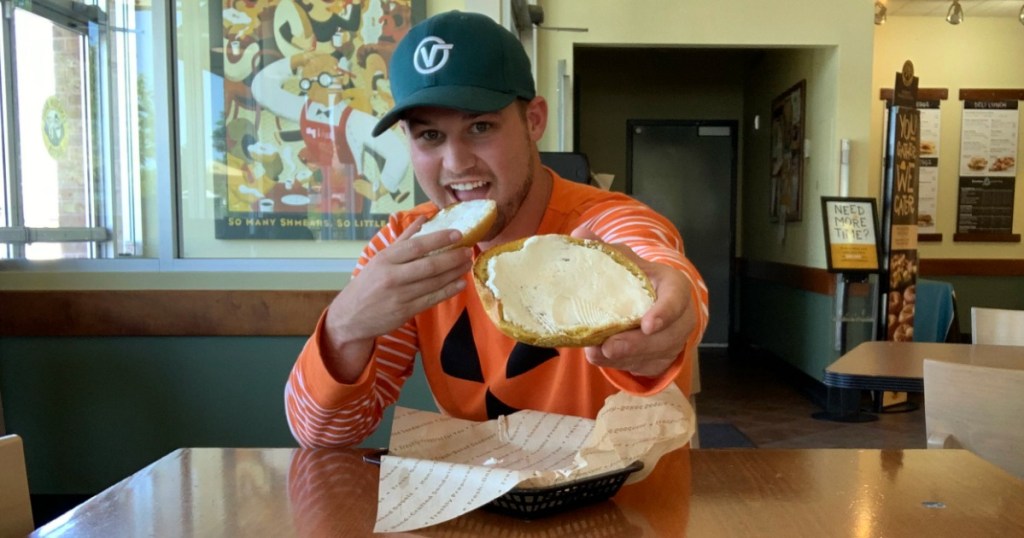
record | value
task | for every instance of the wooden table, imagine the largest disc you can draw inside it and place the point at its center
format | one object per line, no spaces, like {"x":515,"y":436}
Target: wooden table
{"x":881,"y":366}
{"x":898,"y":366}
{"x":738,"y":492}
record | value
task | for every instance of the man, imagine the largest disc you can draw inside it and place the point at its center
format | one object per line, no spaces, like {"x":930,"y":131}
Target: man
{"x":465,"y":96}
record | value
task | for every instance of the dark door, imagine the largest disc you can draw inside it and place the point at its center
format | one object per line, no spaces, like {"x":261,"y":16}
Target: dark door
{"x":686,"y":170}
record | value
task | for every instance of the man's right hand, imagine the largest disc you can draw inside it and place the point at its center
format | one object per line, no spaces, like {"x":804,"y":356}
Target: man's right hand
{"x":399,"y":282}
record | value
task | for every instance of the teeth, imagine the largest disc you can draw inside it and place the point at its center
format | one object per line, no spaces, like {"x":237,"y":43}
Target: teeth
{"x":467,"y":186}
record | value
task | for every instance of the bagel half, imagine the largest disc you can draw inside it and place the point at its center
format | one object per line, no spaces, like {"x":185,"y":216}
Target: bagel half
{"x":559,"y":291}
{"x":473,"y":218}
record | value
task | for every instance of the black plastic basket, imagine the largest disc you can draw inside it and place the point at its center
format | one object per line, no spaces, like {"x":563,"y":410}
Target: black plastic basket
{"x":535,"y":503}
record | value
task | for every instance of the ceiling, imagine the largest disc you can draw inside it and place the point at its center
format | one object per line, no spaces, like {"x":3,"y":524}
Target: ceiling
{"x":972,"y":8}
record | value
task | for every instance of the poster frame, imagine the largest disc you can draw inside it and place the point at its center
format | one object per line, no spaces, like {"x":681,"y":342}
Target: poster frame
{"x":788,"y":131}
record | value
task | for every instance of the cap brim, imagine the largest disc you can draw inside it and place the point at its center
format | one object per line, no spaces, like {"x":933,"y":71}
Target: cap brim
{"x":467,"y":98}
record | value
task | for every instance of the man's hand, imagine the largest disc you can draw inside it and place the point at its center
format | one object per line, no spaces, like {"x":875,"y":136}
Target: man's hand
{"x":650,"y":350}
{"x":398,"y":283}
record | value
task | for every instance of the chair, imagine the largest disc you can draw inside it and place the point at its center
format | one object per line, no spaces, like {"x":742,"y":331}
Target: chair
{"x":569,"y":165}
{"x":979,"y":408}
{"x":15,"y":506}
{"x":997,"y":326}
{"x":935,"y":312}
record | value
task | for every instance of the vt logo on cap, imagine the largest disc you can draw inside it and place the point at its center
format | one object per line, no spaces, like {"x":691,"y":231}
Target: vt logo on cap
{"x":425,"y":58}
{"x":489,"y":71}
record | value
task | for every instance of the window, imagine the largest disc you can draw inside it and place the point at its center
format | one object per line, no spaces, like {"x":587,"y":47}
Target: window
{"x":136,"y":137}
{"x":77,"y":146}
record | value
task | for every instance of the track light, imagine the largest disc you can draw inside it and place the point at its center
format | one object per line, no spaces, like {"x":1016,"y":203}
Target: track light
{"x":1020,"y":16}
{"x":955,"y":15}
{"x":880,"y":10}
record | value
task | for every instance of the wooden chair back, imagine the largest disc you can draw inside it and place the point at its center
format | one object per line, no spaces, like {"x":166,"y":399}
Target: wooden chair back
{"x":997,"y":326}
{"x":980,"y":408}
{"x":15,"y":506}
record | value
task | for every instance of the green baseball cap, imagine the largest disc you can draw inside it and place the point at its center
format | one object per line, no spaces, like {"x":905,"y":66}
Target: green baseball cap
{"x":465,"y":61}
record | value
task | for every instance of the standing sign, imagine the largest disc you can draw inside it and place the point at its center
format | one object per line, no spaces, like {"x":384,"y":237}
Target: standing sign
{"x":988,"y":167}
{"x":900,"y":197}
{"x":850,"y":239}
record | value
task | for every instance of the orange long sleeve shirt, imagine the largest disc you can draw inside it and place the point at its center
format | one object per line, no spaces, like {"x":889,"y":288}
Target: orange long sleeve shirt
{"x":474,"y":371}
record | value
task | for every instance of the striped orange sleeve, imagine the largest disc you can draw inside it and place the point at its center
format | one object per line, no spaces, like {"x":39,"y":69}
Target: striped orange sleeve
{"x":323,"y":412}
{"x":654,"y":239}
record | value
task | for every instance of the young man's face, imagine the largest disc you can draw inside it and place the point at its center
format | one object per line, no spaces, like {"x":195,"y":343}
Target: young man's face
{"x":461,"y":156}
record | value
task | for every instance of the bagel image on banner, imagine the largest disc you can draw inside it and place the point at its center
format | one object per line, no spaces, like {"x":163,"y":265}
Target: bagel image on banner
{"x":304,"y":83}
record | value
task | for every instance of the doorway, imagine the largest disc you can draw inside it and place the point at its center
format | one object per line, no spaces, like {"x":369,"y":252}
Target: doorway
{"x":687,"y":171}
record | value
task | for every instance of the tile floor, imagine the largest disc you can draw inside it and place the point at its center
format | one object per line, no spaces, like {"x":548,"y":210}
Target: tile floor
{"x":772,"y":402}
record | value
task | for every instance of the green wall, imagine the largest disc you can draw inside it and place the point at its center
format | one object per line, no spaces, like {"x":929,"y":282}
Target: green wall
{"x":985,"y":291}
{"x":792,"y":324}
{"x":94,"y":410}
{"x":797,"y":325}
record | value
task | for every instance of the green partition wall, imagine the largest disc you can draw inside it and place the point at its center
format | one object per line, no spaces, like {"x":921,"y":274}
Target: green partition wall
{"x":94,"y":410}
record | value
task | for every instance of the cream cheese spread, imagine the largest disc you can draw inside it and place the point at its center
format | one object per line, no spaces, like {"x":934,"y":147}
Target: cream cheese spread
{"x":552,"y":285}
{"x":462,"y":217}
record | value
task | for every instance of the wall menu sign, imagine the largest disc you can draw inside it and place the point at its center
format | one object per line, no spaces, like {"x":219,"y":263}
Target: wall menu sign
{"x":899,"y":198}
{"x":986,"y":205}
{"x":851,"y":240}
{"x":988,"y":141}
{"x":988,"y":167}
{"x":928,"y":183}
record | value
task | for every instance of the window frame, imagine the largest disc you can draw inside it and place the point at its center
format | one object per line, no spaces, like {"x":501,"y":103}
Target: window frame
{"x":79,"y":19}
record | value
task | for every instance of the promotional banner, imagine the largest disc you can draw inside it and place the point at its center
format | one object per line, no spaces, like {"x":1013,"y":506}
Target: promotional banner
{"x":900,"y":198}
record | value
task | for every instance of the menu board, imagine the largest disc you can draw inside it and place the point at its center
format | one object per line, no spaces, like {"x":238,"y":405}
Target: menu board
{"x":928,"y":184}
{"x":986,"y":205}
{"x":851,"y":240}
{"x":988,"y":143}
{"x":988,"y":167}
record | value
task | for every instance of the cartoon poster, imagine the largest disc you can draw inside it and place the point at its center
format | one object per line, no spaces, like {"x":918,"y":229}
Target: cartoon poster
{"x":304,"y":82}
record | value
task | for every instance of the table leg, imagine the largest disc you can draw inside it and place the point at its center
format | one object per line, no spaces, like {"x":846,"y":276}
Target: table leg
{"x":843,"y":405}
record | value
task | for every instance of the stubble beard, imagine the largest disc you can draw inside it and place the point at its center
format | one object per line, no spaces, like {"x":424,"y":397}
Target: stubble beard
{"x":508,"y":210}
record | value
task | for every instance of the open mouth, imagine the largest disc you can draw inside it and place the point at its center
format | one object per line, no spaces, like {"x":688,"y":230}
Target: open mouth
{"x":469,"y":190}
